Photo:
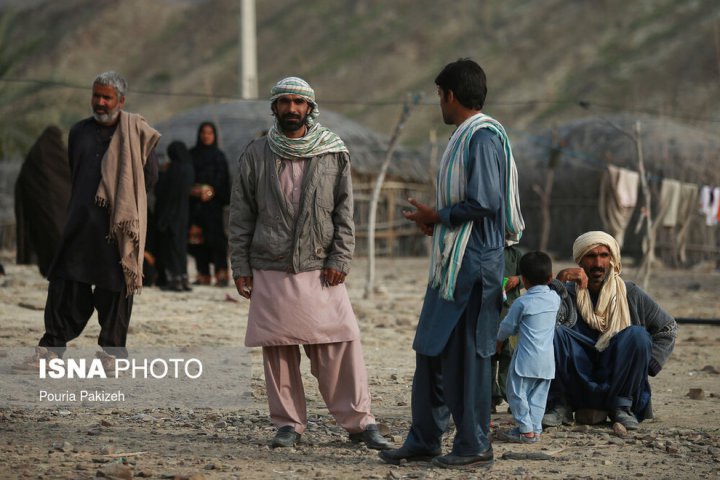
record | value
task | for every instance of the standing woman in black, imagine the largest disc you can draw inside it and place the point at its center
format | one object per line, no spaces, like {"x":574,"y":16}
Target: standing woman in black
{"x":209,"y":196}
{"x":172,"y":215}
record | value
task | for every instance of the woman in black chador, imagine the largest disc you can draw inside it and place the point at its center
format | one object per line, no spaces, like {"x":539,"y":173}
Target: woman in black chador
{"x":209,"y":196}
{"x":172,"y":215}
{"x":42,"y":194}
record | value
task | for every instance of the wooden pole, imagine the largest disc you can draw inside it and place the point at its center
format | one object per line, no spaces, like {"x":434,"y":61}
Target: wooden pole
{"x":646,"y":215}
{"x":546,"y":192}
{"x":372,"y":214}
{"x":649,"y":257}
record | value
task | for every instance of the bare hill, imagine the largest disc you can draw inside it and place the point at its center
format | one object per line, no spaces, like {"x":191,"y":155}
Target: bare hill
{"x":363,"y":56}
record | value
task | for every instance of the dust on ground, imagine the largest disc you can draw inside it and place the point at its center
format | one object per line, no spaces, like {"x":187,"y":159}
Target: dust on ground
{"x":682,"y":441}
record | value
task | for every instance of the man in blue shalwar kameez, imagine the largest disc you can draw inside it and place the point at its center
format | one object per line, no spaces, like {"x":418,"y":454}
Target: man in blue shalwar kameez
{"x":476,"y":204}
{"x":612,"y":337}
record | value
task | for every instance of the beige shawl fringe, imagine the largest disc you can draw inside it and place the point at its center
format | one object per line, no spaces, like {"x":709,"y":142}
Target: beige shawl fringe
{"x":122,"y":192}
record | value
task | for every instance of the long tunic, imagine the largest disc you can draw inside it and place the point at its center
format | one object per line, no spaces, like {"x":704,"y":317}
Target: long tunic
{"x":483,"y":260}
{"x":172,"y":209}
{"x":297,"y":309}
{"x":211,"y":168}
{"x":84,"y":254}
{"x":532,"y":318}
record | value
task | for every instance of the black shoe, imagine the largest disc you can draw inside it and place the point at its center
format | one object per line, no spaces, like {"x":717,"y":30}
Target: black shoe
{"x":371,"y":438}
{"x":484,"y":459}
{"x":398,"y":455}
{"x":625,"y":417}
{"x":559,"y":415}
{"x":285,"y":437}
{"x":185,"y":283}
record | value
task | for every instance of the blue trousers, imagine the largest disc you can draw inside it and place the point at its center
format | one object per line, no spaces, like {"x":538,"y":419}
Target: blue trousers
{"x":457,"y":382}
{"x":617,"y":377}
{"x":527,"y":397}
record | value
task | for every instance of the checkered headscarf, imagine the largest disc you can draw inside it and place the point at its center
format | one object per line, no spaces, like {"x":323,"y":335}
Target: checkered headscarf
{"x":318,"y":140}
{"x":296,"y":86}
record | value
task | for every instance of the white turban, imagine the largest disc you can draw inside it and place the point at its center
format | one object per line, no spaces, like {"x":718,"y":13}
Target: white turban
{"x":610,"y":314}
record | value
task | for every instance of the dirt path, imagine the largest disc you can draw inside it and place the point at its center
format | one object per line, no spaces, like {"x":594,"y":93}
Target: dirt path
{"x":683,"y":441}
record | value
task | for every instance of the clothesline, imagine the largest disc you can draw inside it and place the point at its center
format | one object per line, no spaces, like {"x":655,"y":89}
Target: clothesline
{"x":678,"y":202}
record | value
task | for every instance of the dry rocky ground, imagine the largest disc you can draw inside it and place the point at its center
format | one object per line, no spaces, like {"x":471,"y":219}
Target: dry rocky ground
{"x":683,"y":441}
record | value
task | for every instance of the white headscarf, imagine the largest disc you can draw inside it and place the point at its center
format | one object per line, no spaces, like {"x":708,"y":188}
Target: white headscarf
{"x":610,"y":314}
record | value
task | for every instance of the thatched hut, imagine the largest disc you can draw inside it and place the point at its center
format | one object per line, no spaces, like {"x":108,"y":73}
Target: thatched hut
{"x":583,"y":149}
{"x":408,"y":175}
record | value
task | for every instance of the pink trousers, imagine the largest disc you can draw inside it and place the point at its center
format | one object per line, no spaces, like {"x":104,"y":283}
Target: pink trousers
{"x":342,"y":378}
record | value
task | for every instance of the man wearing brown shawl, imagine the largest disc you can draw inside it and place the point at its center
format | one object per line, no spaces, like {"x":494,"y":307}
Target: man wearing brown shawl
{"x":99,"y":262}
{"x":611,"y":336}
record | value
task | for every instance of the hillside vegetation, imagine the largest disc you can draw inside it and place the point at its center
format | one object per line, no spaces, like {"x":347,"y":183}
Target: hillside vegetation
{"x":364,"y":56}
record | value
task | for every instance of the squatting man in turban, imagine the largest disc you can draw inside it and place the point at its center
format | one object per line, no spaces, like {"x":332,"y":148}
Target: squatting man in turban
{"x":291,"y":241}
{"x":611,"y":336}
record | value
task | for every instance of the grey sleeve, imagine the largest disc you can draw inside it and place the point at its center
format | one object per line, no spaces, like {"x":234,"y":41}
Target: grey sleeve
{"x":243,"y":215}
{"x":343,"y":244}
{"x":661,"y":326}
{"x":567,"y":313}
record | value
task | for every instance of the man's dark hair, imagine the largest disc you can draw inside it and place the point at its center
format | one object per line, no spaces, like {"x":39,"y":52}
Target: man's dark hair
{"x":467,"y":81}
{"x":536,"y":267}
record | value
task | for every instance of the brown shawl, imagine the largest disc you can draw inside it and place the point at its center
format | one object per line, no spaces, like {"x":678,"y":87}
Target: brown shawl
{"x":122,"y":191}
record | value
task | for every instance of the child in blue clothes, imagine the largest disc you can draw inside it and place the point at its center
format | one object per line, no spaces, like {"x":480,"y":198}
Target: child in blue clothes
{"x":532,"y":318}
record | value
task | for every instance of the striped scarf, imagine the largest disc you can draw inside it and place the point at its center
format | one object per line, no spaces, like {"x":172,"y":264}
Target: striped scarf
{"x":449,"y":243}
{"x":317,"y":141}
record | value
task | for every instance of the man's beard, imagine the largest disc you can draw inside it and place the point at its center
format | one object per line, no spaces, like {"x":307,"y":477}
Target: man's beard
{"x":106,"y":118}
{"x":291,"y":123}
{"x":597,"y":280}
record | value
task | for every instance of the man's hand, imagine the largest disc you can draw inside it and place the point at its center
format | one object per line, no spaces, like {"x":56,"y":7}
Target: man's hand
{"x":512,"y":282}
{"x":244,"y":286}
{"x":576,"y":275}
{"x":331,"y":277}
{"x":425,"y":217}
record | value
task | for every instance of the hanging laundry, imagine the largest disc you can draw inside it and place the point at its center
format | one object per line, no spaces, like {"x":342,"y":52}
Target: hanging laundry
{"x":627,"y":187}
{"x":618,"y":197}
{"x":686,"y":211}
{"x":712,"y":214}
{"x":669,"y":203}
{"x":705,"y":204}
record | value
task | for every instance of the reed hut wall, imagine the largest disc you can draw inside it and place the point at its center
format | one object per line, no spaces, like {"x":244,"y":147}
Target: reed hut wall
{"x":587,"y":146}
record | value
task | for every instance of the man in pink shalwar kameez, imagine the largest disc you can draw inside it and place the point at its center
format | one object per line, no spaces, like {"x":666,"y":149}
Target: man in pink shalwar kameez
{"x":291,"y":242}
